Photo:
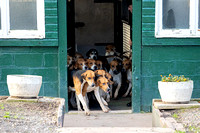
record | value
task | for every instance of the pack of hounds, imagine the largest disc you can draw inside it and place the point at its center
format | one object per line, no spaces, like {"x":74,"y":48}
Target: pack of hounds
{"x":108,"y":76}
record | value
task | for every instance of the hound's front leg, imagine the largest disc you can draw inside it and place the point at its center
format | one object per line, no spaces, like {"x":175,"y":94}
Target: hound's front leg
{"x":96,"y":93}
{"x":104,"y":102}
{"x":111,"y":91}
{"x":72,"y":99}
{"x":78,"y":88}
{"x":86,"y":100}
{"x":128,"y":90}
{"x":117,"y":90}
{"x":78,"y":104}
{"x":80,"y":97}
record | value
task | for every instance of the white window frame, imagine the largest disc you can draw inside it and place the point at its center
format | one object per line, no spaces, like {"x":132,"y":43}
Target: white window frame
{"x":22,"y":34}
{"x":192,"y":32}
{"x":1,"y":31}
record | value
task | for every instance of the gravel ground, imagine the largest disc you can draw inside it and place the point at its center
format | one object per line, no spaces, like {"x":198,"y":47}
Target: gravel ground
{"x":190,"y":118}
{"x":28,"y":117}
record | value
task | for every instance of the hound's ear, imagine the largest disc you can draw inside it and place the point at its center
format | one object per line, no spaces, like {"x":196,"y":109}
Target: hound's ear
{"x":96,"y":72}
{"x":88,"y":53}
{"x":114,"y":49}
{"x":76,"y":66}
{"x":98,"y":81}
{"x":84,"y":75}
{"x":111,"y":82}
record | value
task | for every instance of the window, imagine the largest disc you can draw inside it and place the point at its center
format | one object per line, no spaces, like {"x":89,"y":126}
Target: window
{"x":0,"y":18}
{"x":22,"y":19}
{"x":177,"y":18}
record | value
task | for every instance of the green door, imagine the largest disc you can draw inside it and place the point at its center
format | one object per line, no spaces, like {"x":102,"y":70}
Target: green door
{"x":62,"y":51}
{"x":136,"y":55}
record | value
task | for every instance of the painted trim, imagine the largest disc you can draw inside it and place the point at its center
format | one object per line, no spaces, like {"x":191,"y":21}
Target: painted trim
{"x":191,"y":32}
{"x":7,"y":33}
{"x":136,"y":55}
{"x":62,"y":51}
{"x":29,"y":42}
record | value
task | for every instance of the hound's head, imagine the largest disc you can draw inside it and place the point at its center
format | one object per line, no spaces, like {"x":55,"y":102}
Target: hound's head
{"x":89,"y":77}
{"x":92,"y":54}
{"x":102,"y":82}
{"x":109,"y":77}
{"x":77,"y":56}
{"x":126,"y":65}
{"x":99,"y":73}
{"x":99,"y":64}
{"x":69,"y":60}
{"x":91,"y":64}
{"x":115,"y":67}
{"x":80,"y":64}
{"x":110,"y":50}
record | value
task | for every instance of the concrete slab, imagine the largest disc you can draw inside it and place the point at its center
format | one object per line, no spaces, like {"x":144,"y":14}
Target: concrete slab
{"x":100,"y":119}
{"x":165,"y":120}
{"x":158,"y":104}
{"x":17,"y":99}
{"x":114,"y":130}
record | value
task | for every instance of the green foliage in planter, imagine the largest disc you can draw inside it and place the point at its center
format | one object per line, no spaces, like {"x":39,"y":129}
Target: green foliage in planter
{"x":172,"y":78}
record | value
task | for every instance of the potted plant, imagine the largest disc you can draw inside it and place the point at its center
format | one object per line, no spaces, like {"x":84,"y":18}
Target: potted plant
{"x":175,"y":89}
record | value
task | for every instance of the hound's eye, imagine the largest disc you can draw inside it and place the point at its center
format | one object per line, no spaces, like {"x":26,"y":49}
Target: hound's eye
{"x":89,"y":78}
{"x":90,"y":63}
{"x":104,"y":84}
{"x":112,"y":66}
{"x":81,"y":64}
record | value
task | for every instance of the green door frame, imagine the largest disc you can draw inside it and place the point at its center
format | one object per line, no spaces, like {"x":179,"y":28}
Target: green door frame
{"x":62,"y":51}
{"x":136,"y":55}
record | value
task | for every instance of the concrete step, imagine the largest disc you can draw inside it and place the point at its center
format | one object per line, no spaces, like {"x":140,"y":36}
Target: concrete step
{"x":111,"y":119}
{"x":114,"y":130}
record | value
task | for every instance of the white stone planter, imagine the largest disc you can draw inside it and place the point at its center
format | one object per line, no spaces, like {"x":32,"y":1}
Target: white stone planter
{"x":24,"y":85}
{"x":175,"y":92}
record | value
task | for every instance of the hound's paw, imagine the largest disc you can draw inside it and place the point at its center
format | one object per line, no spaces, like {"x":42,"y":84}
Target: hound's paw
{"x":105,"y":110}
{"x":87,"y":113}
{"x":79,"y":109}
{"x":125,"y":95}
{"x":115,"y":96}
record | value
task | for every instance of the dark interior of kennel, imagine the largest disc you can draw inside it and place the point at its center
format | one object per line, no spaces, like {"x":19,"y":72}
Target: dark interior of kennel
{"x":120,"y":36}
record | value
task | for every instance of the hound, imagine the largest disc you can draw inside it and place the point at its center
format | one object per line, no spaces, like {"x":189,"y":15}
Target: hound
{"x":110,"y":51}
{"x":117,"y":77}
{"x":80,"y":64}
{"x":69,"y":62}
{"x":127,"y":68}
{"x":101,"y":83}
{"x":83,"y":78}
{"x":77,"y":56}
{"x":99,"y":65}
{"x":92,"y":54}
{"x":91,"y":64}
{"x":104,"y":96}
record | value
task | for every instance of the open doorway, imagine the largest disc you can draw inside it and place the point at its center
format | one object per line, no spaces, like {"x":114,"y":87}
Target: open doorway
{"x":94,"y":24}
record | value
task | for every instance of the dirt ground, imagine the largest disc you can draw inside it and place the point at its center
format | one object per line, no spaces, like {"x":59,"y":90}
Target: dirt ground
{"x":28,"y":117}
{"x":190,"y":118}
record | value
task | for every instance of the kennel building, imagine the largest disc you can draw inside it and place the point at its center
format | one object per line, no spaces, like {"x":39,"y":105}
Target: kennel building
{"x":165,"y":41}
